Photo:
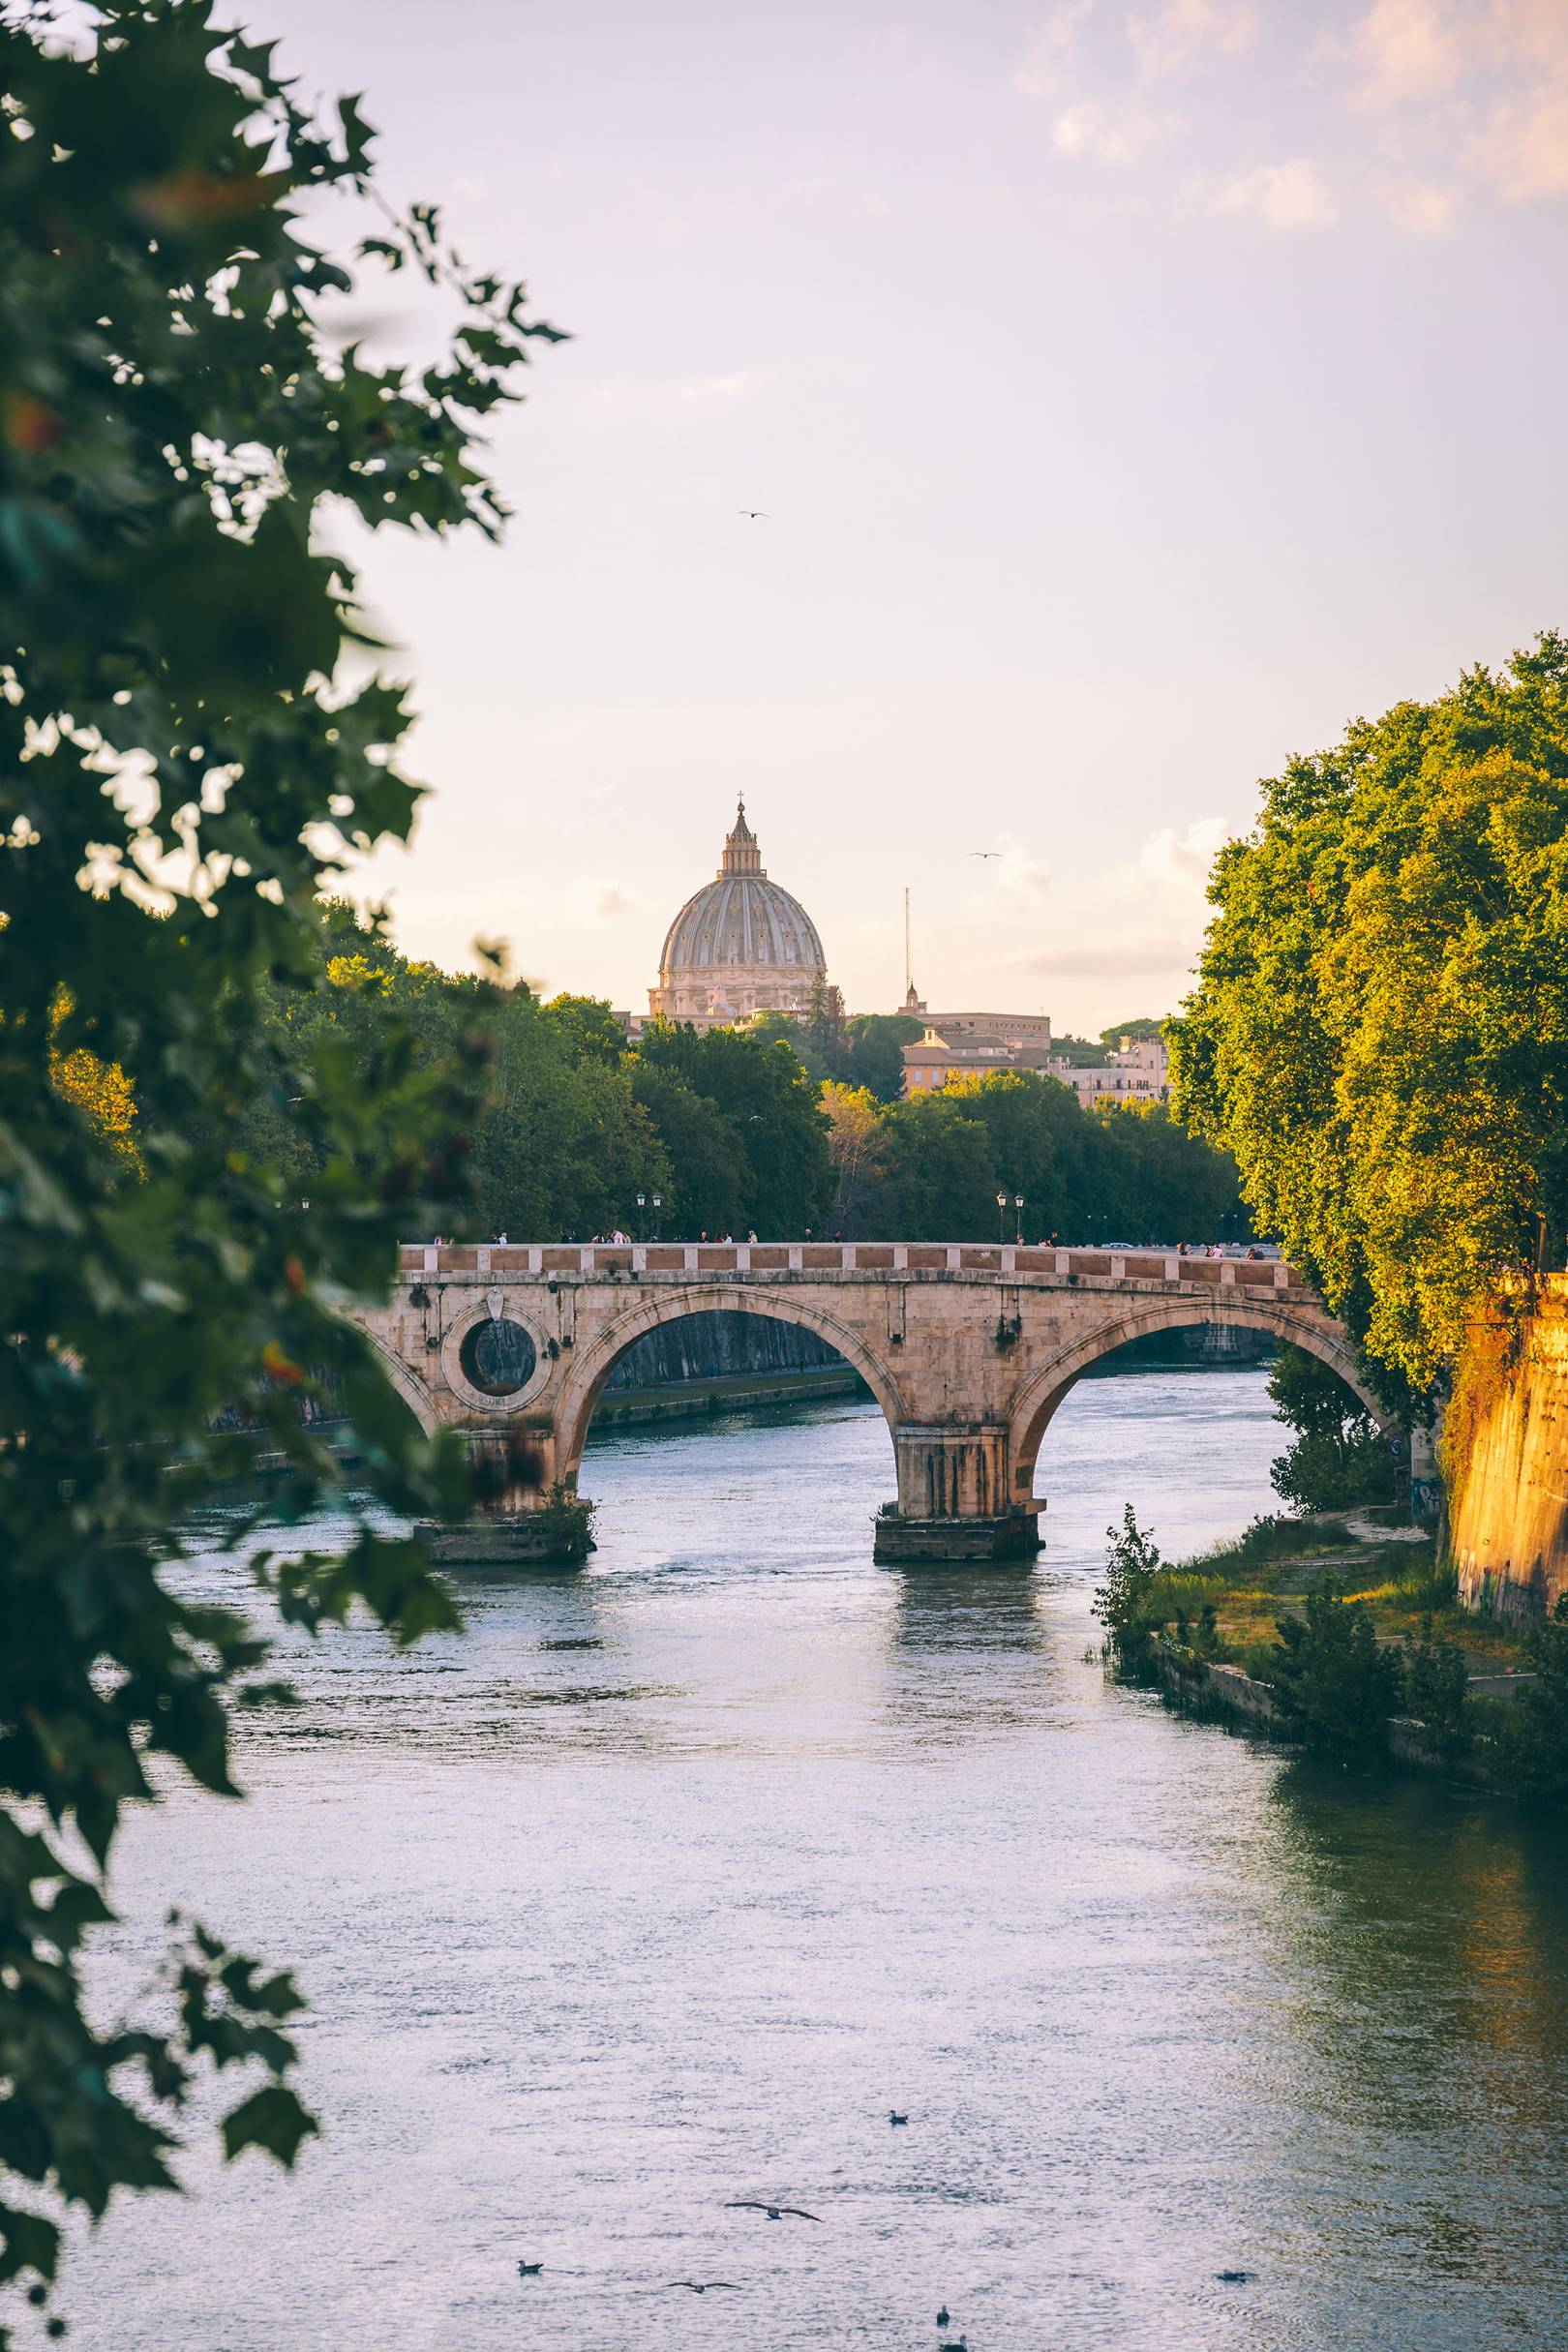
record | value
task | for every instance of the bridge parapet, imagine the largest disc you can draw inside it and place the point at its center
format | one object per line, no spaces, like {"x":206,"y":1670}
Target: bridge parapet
{"x":827,"y":1261}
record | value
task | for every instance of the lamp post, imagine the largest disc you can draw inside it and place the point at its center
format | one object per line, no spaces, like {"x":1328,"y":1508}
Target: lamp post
{"x":658,"y":1203}
{"x":1001,"y":1218}
{"x":642,"y":1227}
{"x":1018,"y":1202}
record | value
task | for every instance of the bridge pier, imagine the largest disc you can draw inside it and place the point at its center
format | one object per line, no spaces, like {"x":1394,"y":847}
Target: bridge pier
{"x":954,"y":1498}
{"x":511,"y":1469}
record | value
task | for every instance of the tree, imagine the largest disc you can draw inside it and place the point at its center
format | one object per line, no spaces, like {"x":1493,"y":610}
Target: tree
{"x":876,"y":1051}
{"x":858,"y":1148}
{"x":1380,"y":1032}
{"x":943,"y":1172}
{"x":706,"y":1189}
{"x":1156,"y":1183}
{"x":764,"y":1094}
{"x":1331,"y":1682}
{"x":560,"y":1146}
{"x":1124,"y":1603}
{"x":1341,"y":1456}
{"x":174,"y":436}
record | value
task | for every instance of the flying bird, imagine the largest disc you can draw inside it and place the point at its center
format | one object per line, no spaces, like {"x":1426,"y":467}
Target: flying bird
{"x":700,"y":2286}
{"x":982,"y":853}
{"x":753,"y":514}
{"x":755,"y":2205}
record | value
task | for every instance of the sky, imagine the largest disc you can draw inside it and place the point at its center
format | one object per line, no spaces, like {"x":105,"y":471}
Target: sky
{"x":1134,"y":396}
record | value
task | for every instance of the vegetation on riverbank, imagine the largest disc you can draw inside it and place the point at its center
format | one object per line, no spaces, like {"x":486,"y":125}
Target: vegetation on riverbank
{"x":1346,"y":1632}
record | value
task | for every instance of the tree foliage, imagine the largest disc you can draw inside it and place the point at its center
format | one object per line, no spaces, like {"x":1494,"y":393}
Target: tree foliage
{"x":1379,"y":1033}
{"x":183,"y":760}
{"x":1121,"y":1173}
{"x":1340,"y":1456}
{"x":1124,"y":1603}
{"x":1333,"y":1684}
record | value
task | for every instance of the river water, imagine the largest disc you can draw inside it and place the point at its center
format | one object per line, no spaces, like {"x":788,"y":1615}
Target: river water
{"x":667,"y":1882}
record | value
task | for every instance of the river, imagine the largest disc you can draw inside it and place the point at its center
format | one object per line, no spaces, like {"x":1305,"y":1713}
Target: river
{"x":667,"y":1880}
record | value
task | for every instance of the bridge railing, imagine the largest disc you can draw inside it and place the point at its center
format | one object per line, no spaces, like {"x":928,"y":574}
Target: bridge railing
{"x":523,"y":1260}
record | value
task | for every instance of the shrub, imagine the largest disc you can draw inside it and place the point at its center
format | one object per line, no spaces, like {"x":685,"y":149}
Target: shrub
{"x":1331,"y":1682}
{"x":1532,"y":1729}
{"x":565,"y":1520}
{"x":1277,"y":1537}
{"x":1436,"y":1681}
{"x":1123,"y":1604}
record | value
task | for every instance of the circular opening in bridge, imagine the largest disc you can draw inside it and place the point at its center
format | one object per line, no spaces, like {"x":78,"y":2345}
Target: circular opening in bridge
{"x":498,"y":1358}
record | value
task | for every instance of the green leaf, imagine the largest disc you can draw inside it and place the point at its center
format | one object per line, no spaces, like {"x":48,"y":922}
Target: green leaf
{"x":271,"y":2119}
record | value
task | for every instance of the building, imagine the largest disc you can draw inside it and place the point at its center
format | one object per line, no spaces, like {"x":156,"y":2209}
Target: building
{"x":972,"y":1045}
{"x":741,"y":945}
{"x":1137,"y":1071}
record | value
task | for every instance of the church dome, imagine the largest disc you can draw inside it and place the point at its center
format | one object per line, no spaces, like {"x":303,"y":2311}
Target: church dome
{"x":739,"y":945}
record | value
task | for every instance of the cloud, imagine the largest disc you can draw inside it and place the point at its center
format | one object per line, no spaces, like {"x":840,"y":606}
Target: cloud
{"x":1524,"y":148}
{"x":1014,"y":877}
{"x":600,"y":903}
{"x":1189,"y":29}
{"x":1111,"y":959}
{"x":1043,"y":69}
{"x":713,"y":387}
{"x":1281,"y":196}
{"x":1424,"y":208}
{"x":1172,"y":860}
{"x":1110,"y":134}
{"x":1487,"y":79}
{"x":1405,"y":51}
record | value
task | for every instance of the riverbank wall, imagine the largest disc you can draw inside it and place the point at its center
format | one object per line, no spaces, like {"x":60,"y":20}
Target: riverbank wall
{"x":1200,"y":1687}
{"x":1505,"y":1458}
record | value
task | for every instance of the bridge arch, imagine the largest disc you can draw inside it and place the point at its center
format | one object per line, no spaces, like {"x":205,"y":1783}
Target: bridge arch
{"x":1040,"y":1394}
{"x":585,"y":1382}
{"x":406,"y":1380}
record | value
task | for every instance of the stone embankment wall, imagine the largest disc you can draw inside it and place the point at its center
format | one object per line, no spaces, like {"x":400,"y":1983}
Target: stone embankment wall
{"x":1505,"y":1458}
{"x":719,"y":1345}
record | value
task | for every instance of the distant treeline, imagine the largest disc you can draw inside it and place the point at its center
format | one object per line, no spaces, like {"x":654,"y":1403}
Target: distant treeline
{"x":730,"y":1129}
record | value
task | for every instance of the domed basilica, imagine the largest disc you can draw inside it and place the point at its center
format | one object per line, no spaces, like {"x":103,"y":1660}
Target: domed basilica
{"x":740,"y":946}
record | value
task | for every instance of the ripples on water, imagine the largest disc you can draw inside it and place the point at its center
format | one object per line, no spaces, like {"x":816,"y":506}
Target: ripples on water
{"x":664,"y":1883}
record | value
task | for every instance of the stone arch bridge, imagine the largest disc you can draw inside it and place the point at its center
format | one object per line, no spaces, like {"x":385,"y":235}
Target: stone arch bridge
{"x":968,"y":1349}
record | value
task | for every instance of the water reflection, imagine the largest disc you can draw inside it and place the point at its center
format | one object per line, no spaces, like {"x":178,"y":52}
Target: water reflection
{"x":967,"y":1607}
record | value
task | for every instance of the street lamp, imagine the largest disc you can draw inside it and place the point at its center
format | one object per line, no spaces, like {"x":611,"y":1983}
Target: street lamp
{"x":658,"y":1203}
{"x":1001,"y":1217}
{"x":641,"y":1229}
{"x":1018,"y":1202}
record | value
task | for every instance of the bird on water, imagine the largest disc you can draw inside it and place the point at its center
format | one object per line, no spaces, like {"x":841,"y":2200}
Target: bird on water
{"x":530,"y":2270}
{"x":774,"y":2212}
{"x":943,"y":2317}
{"x":894,"y":2116}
